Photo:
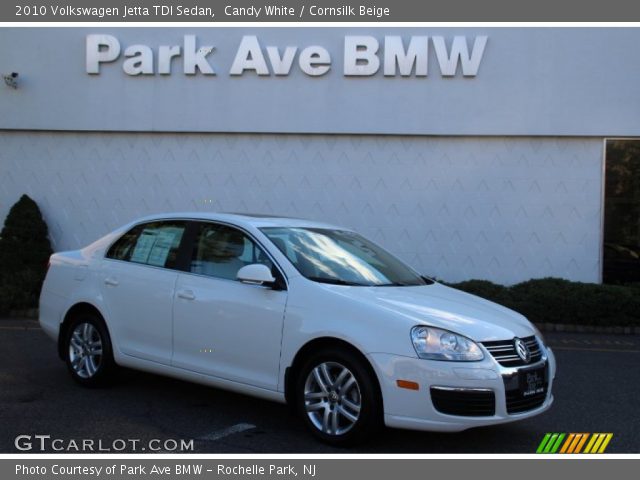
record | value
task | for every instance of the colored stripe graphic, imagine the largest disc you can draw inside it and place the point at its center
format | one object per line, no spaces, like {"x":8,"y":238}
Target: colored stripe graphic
{"x":581,"y":443}
{"x":555,"y":447}
{"x":543,"y":443}
{"x":604,"y":445}
{"x":550,"y":443}
{"x":573,"y":443}
{"x":598,"y":443}
{"x":568,"y":442}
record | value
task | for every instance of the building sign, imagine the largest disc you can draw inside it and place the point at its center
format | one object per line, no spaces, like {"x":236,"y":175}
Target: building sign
{"x":363,"y":56}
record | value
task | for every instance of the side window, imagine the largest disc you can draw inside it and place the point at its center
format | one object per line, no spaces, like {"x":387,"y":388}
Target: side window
{"x":121,"y":250}
{"x":220,"y":251}
{"x":153,"y":244}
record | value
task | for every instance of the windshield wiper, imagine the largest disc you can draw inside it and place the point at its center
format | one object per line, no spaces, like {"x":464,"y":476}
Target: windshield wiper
{"x":335,"y":281}
{"x":404,"y":284}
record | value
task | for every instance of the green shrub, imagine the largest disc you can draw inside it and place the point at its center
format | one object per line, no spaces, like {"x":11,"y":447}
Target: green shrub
{"x":485,"y":289}
{"x":554,"y":300}
{"x":24,"y":253}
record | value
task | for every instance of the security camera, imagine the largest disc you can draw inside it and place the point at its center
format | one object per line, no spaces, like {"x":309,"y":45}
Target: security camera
{"x":11,"y":79}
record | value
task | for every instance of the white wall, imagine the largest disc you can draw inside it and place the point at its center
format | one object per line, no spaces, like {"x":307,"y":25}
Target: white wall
{"x":504,"y":209}
{"x":531,"y":81}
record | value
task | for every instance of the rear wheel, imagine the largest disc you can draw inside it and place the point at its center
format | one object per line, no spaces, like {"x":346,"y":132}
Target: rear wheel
{"x":338,"y":398}
{"x":88,"y":352}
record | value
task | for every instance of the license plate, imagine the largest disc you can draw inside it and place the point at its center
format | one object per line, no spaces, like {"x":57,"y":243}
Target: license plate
{"x":532,"y":382}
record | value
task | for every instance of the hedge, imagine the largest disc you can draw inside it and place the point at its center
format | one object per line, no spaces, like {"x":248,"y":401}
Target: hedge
{"x":558,"y":301}
{"x":24,"y":253}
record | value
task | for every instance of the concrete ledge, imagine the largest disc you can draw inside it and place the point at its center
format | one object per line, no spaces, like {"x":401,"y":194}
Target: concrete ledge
{"x":31,"y":313}
{"x":565,"y":328}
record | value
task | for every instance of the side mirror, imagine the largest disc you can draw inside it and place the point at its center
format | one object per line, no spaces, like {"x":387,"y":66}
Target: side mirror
{"x":255,"y":274}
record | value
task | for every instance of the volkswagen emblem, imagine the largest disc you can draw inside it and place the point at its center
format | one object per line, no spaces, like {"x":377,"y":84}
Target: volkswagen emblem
{"x":522,"y":350}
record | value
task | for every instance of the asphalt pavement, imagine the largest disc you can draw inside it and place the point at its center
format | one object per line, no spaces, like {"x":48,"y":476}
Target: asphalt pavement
{"x":597,"y":390}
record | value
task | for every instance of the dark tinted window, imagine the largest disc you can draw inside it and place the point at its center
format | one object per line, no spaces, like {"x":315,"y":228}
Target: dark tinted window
{"x":220,"y":251}
{"x":621,"y":262}
{"x":122,"y":248}
{"x":153,"y":244}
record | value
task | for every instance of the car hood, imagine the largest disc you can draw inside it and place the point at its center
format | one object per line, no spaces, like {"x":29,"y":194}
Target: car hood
{"x":444,"y":307}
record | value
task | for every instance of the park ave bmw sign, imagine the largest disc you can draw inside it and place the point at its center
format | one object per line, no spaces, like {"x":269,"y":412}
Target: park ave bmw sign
{"x":363,"y":56}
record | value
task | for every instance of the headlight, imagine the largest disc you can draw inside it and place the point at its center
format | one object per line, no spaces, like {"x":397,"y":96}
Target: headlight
{"x":436,"y":344}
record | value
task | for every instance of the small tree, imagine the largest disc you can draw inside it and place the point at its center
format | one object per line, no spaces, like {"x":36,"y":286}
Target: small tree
{"x":24,"y":253}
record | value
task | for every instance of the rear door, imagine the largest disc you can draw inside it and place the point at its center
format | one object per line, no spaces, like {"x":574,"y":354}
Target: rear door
{"x":223,"y":327}
{"x":138,"y":279}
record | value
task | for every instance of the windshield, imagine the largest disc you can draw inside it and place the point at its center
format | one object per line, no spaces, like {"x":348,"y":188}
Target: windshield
{"x":340,"y":257}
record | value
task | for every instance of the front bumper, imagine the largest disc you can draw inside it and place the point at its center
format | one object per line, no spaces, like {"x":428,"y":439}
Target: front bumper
{"x":413,"y":409}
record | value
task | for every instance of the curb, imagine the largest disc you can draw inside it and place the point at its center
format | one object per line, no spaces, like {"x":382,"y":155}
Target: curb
{"x":568,"y":328}
{"x":31,"y":314}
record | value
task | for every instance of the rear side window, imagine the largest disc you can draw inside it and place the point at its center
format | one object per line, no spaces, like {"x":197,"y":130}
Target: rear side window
{"x":121,"y":250}
{"x":154,"y":244}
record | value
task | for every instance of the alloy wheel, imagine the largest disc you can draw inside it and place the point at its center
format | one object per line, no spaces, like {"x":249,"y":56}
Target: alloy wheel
{"x":332,"y":398}
{"x":85,"y":350}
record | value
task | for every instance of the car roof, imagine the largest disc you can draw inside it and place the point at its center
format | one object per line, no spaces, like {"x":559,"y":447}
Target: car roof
{"x":257,"y":220}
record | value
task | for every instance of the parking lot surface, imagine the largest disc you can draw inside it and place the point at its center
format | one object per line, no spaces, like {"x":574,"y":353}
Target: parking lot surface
{"x":597,"y":390}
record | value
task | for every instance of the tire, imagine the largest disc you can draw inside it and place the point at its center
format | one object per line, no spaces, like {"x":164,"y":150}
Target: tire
{"x":87,"y":350}
{"x":338,"y":397}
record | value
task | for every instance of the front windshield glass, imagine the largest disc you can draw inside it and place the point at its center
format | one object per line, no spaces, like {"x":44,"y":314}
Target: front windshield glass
{"x":340,"y":257}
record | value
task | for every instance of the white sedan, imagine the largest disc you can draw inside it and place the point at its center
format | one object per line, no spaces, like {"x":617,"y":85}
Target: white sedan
{"x":297,"y":311}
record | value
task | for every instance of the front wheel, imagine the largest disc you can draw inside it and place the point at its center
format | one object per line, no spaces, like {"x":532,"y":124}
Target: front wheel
{"x":88,"y":353}
{"x":338,"y":398}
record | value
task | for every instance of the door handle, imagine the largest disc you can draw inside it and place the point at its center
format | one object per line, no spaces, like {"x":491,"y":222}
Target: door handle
{"x":186,"y":294}
{"x":112,"y":282}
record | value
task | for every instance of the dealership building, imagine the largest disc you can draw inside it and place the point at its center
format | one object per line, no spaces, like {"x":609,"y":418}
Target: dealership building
{"x":469,"y":152}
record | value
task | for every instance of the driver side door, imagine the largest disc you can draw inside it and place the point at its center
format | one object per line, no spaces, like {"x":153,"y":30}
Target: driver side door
{"x":223,"y":327}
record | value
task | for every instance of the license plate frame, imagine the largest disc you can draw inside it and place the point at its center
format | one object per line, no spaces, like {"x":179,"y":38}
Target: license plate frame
{"x":532,"y":381}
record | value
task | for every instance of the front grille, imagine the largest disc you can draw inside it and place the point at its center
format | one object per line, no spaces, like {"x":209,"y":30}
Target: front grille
{"x":464,"y":402}
{"x":516,"y":401}
{"x":518,"y":404}
{"x":504,"y":351}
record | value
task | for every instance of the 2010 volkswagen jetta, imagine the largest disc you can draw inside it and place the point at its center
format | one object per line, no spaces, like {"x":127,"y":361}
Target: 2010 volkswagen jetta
{"x":297,"y":311}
